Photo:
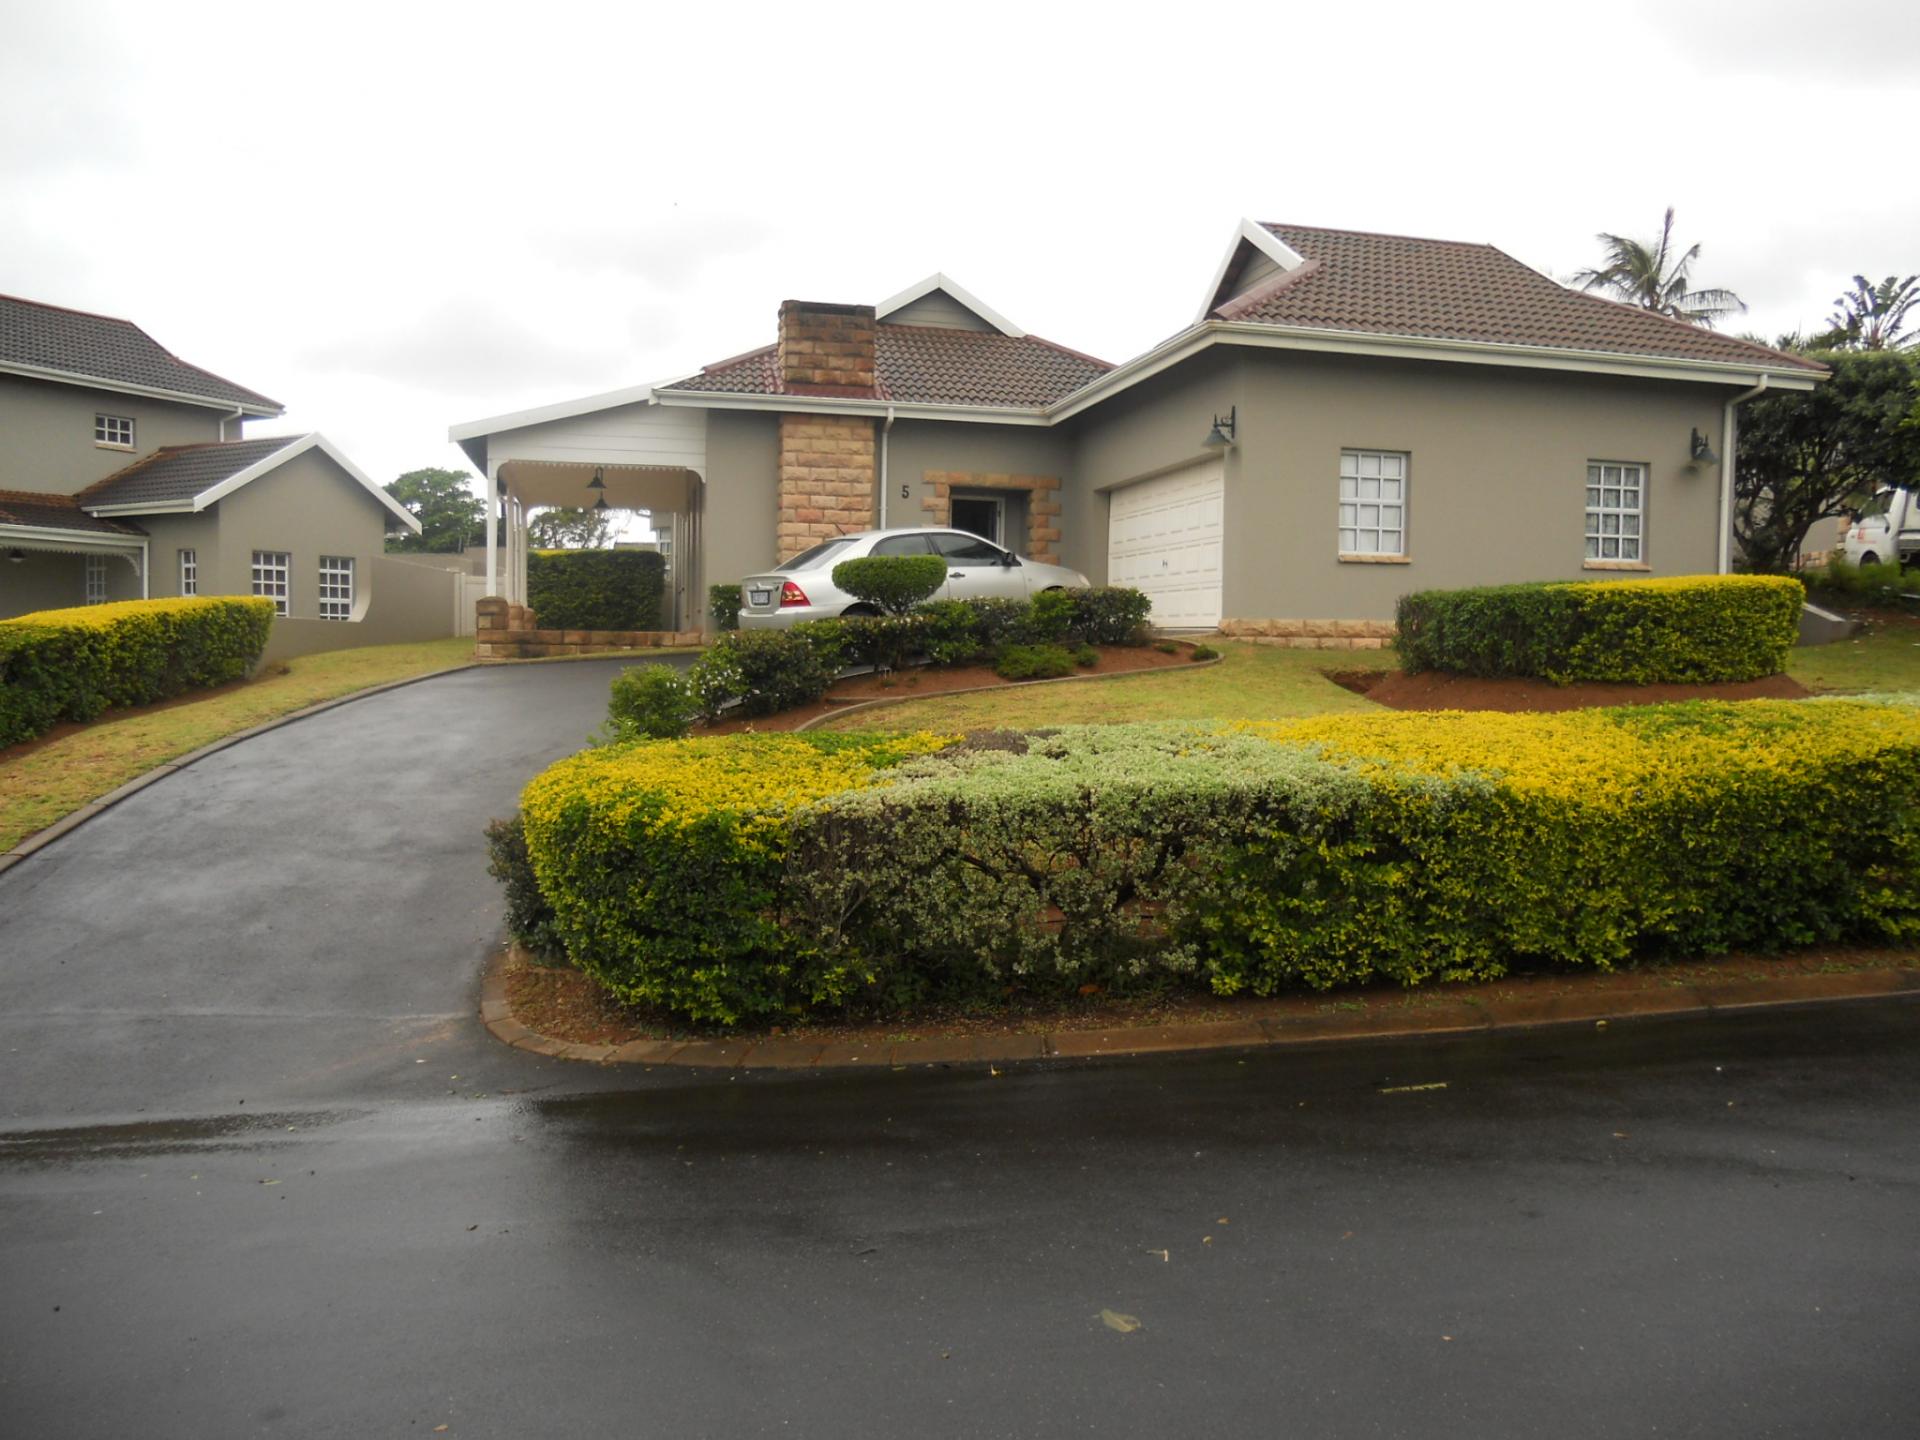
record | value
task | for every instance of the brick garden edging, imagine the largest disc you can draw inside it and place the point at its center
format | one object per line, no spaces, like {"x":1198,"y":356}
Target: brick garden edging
{"x":1482,"y":1011}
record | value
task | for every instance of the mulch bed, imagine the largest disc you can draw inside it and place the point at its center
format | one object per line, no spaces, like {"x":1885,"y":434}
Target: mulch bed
{"x":923,"y":680}
{"x":1437,"y":690}
{"x":565,"y":1005}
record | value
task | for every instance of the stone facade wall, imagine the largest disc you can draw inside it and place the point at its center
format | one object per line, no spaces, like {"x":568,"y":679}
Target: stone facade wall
{"x":1312,"y":634}
{"x":826,"y":349}
{"x":512,"y":632}
{"x":1043,"y":504}
{"x":827,"y":479}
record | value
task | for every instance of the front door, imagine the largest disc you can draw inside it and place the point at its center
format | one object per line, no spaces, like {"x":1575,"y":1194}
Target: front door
{"x":982,"y":515}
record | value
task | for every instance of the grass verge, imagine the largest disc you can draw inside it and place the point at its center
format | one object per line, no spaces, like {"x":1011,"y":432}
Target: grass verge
{"x":1252,"y":682}
{"x":44,"y":780}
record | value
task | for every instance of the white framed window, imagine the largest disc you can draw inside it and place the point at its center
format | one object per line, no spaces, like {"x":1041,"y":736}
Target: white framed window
{"x":336,"y":587}
{"x":270,"y":571}
{"x":189,"y":573}
{"x":114,"y":430}
{"x":96,"y":579}
{"x":1616,"y":510}
{"x":1373,"y":502}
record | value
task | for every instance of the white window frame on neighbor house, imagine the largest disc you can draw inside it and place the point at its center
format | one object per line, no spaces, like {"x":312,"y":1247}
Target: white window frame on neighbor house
{"x":1616,"y":530}
{"x":96,"y":579}
{"x":189,"y":573}
{"x":272,"y":569}
{"x":113,"y":432}
{"x":336,"y":587}
{"x":1373,"y":505}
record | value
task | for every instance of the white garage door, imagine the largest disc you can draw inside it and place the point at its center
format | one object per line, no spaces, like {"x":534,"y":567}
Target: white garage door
{"x":1163,"y":537}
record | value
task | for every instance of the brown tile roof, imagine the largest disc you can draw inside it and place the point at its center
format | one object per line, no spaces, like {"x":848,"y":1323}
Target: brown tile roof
{"x":57,"y":512}
{"x":175,"y":473}
{"x":100,"y":347}
{"x":1455,"y":290}
{"x":925,"y":365}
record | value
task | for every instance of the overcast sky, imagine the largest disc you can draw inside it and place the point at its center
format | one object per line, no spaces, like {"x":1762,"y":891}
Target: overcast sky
{"x":395,"y":217}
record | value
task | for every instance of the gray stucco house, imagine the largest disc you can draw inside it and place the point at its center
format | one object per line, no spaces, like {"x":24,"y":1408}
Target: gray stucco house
{"x":1348,"y":416}
{"x":124,"y":474}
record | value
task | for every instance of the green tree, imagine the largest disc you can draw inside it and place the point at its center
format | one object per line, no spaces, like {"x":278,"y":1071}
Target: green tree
{"x":1872,"y":317}
{"x":451,"y":516}
{"x":568,"y":527}
{"x":1657,"y":276}
{"x":1811,"y":456}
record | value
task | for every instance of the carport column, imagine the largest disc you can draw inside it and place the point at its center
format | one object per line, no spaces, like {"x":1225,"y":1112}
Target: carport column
{"x":493,"y":510}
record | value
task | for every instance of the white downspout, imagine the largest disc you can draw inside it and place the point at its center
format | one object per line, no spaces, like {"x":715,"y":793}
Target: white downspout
{"x":1726,"y":475}
{"x":146,"y":557}
{"x":884,"y":431}
{"x":238,"y":412}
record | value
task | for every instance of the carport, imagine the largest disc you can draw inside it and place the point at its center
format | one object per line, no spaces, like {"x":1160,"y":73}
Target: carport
{"x":622,"y":451}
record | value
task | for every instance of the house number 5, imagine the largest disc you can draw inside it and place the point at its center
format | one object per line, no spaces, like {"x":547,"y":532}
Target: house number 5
{"x":903,"y":492}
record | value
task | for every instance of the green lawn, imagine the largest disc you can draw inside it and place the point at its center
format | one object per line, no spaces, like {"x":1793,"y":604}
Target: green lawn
{"x":1886,"y":657}
{"x":1257,"y":682}
{"x":1252,"y":682}
{"x":41,"y":783}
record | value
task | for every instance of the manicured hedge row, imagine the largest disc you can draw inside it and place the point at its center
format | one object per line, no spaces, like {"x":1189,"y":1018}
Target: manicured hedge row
{"x":596,"y":589}
{"x":1687,"y":629}
{"x":60,"y":665}
{"x":757,"y":876}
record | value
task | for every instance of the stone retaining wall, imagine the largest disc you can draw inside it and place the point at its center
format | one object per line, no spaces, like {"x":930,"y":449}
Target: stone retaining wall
{"x":1312,"y":634}
{"x":511,"y":632}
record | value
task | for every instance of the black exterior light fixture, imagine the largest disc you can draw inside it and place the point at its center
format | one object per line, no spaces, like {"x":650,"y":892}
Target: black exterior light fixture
{"x":599,"y":480}
{"x":1701,"y":451}
{"x":1221,"y":436}
{"x":600,"y":503}
{"x":18,"y":557}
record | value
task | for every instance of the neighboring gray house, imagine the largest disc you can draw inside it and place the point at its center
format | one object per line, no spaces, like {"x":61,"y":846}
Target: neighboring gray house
{"x":1350,"y":416}
{"x":124,"y":475}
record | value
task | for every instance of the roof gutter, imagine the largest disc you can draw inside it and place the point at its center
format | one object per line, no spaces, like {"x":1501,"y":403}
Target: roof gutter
{"x":1728,"y":434}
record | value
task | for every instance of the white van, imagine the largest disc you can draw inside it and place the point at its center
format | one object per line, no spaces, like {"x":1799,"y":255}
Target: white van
{"x":1888,"y":528}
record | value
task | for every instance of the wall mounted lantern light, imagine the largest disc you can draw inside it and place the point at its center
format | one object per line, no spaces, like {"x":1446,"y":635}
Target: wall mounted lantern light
{"x":1221,"y":435}
{"x":599,"y":480}
{"x":1701,"y":450}
{"x":18,"y":557}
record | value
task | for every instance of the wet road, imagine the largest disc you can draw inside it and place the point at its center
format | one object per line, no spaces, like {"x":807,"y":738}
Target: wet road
{"x":262,"y":1173}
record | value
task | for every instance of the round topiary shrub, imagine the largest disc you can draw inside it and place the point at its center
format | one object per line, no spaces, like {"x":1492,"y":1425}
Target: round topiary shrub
{"x":892,"y":583}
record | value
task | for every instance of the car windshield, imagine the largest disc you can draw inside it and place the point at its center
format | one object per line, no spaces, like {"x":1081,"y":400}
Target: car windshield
{"x":816,"y":557}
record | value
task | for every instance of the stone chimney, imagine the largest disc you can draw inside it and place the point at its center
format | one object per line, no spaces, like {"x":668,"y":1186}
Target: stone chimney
{"x":826,"y":349}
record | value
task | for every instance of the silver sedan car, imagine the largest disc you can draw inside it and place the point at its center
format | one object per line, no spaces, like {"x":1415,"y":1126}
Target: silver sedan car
{"x":803,"y":588}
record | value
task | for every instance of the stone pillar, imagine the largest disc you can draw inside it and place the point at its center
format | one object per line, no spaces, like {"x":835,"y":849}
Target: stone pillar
{"x":827,"y":479}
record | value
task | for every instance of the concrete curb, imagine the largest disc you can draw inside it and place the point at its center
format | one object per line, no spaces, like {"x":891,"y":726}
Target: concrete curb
{"x":74,"y":819}
{"x":1486,"y":1013}
{"x":1189,"y":668}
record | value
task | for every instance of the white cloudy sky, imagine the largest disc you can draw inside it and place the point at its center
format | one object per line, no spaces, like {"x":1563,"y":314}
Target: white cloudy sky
{"x":395,"y":216}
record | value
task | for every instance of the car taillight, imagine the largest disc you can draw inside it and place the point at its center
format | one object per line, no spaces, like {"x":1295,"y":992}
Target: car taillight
{"x":792,"y":594}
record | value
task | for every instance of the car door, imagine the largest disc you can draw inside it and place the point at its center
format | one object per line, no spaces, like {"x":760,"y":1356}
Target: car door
{"x":977,"y":569}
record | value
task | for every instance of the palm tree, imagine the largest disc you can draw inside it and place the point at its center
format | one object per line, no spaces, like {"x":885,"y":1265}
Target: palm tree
{"x":1871,"y":317}
{"x":1655,"y":278}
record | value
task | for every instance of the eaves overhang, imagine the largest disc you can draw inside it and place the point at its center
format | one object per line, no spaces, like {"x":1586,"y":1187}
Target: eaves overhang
{"x":151,"y":392}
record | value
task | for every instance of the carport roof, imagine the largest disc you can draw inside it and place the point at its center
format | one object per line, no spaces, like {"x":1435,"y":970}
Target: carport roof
{"x":57,"y":512}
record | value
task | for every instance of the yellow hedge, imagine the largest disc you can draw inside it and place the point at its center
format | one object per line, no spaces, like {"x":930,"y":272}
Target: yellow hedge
{"x":71,"y":664}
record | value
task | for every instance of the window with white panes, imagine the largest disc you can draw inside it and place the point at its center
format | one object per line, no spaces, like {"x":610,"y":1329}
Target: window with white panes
{"x":1616,"y":510}
{"x":189,"y":573}
{"x":336,"y":587}
{"x":96,"y":579}
{"x":270,"y":571}
{"x":116,"y":430}
{"x":1373,"y":502}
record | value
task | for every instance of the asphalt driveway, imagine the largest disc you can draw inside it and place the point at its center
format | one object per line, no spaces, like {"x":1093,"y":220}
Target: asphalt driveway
{"x":261,"y":1172}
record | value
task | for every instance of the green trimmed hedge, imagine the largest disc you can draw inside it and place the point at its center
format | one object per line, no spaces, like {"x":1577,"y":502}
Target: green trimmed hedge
{"x":60,"y":665}
{"x":763,"y":876}
{"x":723,"y":603}
{"x":1692,"y":629}
{"x":597,"y":589}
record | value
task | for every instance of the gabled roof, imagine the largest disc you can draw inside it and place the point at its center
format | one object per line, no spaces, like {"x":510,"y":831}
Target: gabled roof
{"x":57,"y":512}
{"x":192,"y":477}
{"x":925,"y":365}
{"x":1357,"y":282}
{"x":938,"y":282}
{"x":52,"y":343}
